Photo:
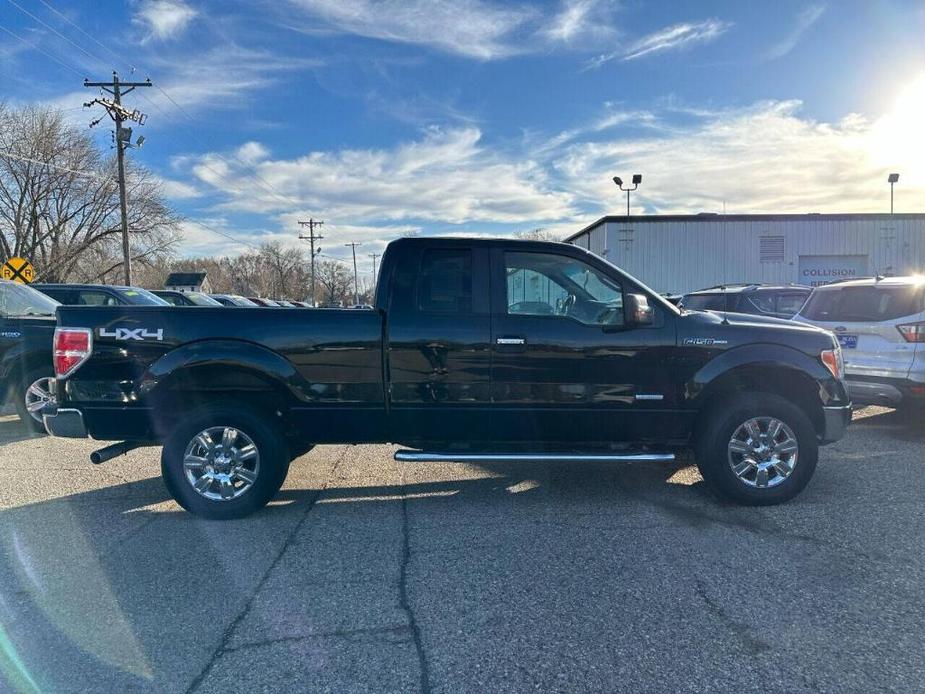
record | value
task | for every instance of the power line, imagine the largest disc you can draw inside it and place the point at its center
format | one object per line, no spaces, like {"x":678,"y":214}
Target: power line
{"x":85,"y":174}
{"x":54,"y":31}
{"x":256,"y":176}
{"x":43,"y":52}
{"x":87,"y":34}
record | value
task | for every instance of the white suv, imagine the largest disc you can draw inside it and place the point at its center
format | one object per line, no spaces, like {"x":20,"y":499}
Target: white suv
{"x":880,"y":324}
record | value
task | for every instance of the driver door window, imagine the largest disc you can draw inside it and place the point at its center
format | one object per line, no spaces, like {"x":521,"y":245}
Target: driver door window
{"x":544,"y":284}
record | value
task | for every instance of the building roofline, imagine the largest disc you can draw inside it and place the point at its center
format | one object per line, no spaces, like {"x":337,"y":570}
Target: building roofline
{"x":710,"y":217}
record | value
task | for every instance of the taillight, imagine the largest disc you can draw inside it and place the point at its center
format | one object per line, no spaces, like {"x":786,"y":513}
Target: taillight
{"x":912,"y":332}
{"x":72,"y":347}
{"x":833,"y":361}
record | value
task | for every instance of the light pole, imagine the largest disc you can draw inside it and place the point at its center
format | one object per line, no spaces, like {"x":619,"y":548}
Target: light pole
{"x":637,"y":179}
{"x":892,"y":178}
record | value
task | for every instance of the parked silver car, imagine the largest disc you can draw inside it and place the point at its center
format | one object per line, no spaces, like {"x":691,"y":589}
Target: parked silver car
{"x":880,"y":324}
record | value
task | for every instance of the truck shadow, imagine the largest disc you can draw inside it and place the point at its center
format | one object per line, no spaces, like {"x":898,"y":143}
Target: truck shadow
{"x":117,"y":581}
{"x":95,"y":582}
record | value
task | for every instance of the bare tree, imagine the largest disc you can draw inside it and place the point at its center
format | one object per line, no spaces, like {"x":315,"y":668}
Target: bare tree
{"x":59,"y":203}
{"x":336,"y":281}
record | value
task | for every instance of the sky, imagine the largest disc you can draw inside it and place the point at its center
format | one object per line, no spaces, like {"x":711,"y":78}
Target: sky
{"x":390,"y":117}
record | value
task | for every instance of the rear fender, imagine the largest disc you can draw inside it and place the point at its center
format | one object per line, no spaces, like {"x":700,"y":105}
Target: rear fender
{"x":229,"y":364}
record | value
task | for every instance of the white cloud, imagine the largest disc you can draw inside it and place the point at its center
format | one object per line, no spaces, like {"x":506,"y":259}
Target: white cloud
{"x":764,"y":158}
{"x":581,"y":21}
{"x":176,"y":190}
{"x":164,"y":19}
{"x":445,"y":176}
{"x":470,"y":28}
{"x":671,"y":38}
{"x":805,"y":19}
{"x":243,"y":71}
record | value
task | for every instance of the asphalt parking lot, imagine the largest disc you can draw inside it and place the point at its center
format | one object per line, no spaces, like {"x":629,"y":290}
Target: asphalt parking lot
{"x":370,"y":575}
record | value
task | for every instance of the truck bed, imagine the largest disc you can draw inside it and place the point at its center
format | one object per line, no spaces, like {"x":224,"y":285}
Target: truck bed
{"x":328,"y":359}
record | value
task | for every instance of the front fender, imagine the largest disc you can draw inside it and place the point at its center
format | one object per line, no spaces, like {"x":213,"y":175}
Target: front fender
{"x":770,"y":358}
{"x":229,"y":357}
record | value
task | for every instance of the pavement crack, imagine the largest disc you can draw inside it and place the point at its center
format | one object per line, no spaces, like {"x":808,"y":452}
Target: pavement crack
{"x":230,"y":629}
{"x":403,"y":600}
{"x":400,"y":630}
{"x":750,"y":643}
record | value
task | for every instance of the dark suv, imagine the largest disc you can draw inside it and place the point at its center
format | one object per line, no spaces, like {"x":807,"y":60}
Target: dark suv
{"x":779,"y":301}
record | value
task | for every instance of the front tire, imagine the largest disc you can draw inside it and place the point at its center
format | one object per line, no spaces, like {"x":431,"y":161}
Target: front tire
{"x":223,"y":462}
{"x":757,"y":450}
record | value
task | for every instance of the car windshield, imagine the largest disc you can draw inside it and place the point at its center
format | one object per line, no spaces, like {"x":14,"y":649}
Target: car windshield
{"x":201,"y":299}
{"x":241,"y":300}
{"x":704,"y":302}
{"x":864,"y":304}
{"x":17,"y":300}
{"x":142,"y":297}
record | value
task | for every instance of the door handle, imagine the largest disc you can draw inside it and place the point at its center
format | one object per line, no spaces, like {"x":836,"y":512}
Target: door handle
{"x":510,"y":341}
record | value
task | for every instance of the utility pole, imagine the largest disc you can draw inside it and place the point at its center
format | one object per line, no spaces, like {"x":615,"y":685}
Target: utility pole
{"x":119,"y":115}
{"x":374,"y":256}
{"x":356,"y":282}
{"x":311,"y":238}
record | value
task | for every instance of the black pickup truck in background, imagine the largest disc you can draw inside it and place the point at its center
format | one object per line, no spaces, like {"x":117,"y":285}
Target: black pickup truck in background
{"x":477,"y":350}
{"x":27,"y":325}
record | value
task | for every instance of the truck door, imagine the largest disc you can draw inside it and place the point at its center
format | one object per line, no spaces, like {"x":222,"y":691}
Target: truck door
{"x":566,"y":366}
{"x":439,"y":331}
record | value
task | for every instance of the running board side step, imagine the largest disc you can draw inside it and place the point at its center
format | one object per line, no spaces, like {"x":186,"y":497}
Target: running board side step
{"x":409,"y":456}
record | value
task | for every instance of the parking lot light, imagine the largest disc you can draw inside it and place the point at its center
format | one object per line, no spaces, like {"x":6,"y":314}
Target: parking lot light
{"x":892,"y":179}
{"x":637,"y":179}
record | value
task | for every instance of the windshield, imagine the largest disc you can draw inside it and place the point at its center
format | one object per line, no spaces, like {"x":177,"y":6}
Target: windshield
{"x":142,"y":297}
{"x":864,"y":304}
{"x":704,"y":302}
{"x":18,"y":300}
{"x":241,"y":300}
{"x":201,"y":299}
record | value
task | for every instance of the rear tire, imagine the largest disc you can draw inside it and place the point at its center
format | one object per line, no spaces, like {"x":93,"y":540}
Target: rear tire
{"x":223,"y":462}
{"x":30,"y":395}
{"x":757,"y":449}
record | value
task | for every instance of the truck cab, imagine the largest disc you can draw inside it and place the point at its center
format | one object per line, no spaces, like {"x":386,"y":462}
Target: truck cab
{"x":477,"y":350}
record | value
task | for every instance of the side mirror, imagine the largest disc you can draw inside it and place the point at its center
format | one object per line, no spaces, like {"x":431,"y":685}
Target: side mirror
{"x":638,"y":311}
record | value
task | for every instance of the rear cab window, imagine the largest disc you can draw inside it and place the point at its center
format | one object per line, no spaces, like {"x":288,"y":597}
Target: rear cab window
{"x":445,"y":281}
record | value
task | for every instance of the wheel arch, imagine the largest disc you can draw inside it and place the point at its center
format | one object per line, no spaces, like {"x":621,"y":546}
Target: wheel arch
{"x":210,"y":371}
{"x":780,"y":370}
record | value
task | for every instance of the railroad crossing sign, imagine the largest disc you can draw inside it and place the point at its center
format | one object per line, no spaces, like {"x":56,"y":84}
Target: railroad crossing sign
{"x":18,"y":270}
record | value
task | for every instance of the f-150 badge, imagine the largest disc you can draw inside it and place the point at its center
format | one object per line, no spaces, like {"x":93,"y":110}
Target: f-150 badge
{"x":704,"y":341}
{"x":133,"y":333}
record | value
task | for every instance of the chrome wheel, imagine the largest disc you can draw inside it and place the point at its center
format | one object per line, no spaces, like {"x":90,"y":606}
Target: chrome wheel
{"x":38,"y":394}
{"x":221,"y":463}
{"x":763,"y":452}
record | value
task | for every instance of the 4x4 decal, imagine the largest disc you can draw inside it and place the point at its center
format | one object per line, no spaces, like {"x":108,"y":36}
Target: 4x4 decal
{"x":133,"y":333}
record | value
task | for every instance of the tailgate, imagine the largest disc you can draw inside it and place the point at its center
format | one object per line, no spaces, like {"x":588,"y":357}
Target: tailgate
{"x":873,"y":349}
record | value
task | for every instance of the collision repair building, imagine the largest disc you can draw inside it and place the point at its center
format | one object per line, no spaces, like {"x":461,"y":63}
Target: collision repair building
{"x":681,"y":253}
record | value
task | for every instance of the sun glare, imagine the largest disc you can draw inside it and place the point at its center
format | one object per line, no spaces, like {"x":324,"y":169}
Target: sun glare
{"x":899,"y":142}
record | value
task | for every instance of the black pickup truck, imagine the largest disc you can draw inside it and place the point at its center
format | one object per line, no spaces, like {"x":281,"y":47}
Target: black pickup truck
{"x":27,"y":324}
{"x":477,"y":350}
